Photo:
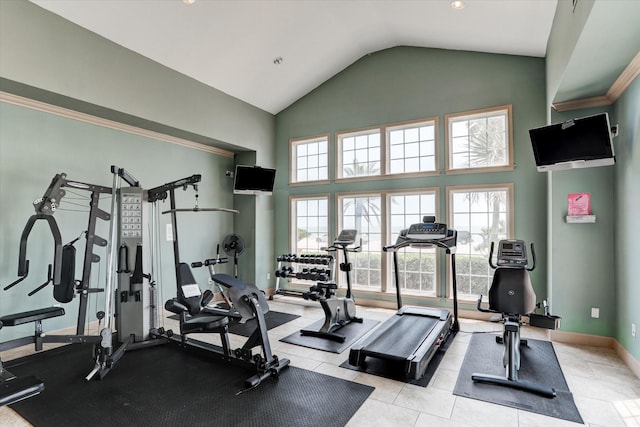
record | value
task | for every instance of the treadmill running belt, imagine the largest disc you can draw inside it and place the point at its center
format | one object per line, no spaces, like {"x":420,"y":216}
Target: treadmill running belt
{"x":401,"y":336}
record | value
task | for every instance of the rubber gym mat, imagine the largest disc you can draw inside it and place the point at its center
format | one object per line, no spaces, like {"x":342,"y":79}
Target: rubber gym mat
{"x":166,"y":385}
{"x":352,"y":331}
{"x":273,"y":319}
{"x":395,"y":371}
{"x":539,"y":364}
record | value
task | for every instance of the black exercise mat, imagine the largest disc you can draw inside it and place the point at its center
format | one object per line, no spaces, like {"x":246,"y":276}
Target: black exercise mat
{"x":352,"y":331}
{"x":539,"y":364}
{"x":273,"y":319}
{"x":395,"y":371}
{"x":168,"y":386}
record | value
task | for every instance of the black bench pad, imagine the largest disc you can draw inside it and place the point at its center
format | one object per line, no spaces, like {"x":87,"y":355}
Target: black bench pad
{"x":228,"y":281}
{"x":31,"y":316}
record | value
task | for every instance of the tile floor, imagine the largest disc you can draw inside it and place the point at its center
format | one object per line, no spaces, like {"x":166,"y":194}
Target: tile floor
{"x":605,"y":390}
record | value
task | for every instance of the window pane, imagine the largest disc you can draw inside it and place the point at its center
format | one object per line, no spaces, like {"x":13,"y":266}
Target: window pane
{"x":311,"y":222}
{"x":480,"y":217}
{"x":396,"y":166}
{"x":396,"y":137}
{"x":360,"y":155}
{"x":479,"y":140}
{"x":413,"y":143}
{"x":363,"y":213}
{"x":416,"y":266}
{"x":311,"y":160}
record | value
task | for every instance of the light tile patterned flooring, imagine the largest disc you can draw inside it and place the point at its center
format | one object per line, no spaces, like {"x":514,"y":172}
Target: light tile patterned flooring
{"x":605,"y":390}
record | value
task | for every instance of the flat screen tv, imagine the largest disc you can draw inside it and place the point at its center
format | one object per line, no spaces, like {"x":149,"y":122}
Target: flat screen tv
{"x":578,"y":143}
{"x":253,"y":180}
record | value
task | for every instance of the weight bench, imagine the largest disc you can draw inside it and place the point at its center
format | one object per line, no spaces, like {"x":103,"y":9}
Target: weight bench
{"x":36,"y":316}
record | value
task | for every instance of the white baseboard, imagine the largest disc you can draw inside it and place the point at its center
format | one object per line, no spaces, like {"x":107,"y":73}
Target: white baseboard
{"x":598,"y":341}
{"x":631,"y":361}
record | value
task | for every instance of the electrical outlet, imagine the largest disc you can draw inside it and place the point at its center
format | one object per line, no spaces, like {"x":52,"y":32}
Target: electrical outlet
{"x":595,"y":312}
{"x":268,"y":276}
{"x":633,"y":330}
{"x":169,"y":233}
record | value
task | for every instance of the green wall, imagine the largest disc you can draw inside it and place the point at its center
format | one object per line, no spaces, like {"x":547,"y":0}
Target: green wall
{"x":34,"y":146}
{"x":626,"y":113}
{"x":593,"y":265}
{"x":406,"y":83}
{"x":582,"y":265}
{"x":45,"y":51}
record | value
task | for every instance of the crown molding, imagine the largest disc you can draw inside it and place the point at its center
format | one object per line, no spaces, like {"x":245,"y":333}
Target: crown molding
{"x":99,"y":121}
{"x":615,"y":91}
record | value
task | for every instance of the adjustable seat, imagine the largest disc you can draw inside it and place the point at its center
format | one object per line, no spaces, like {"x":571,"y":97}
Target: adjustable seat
{"x":189,"y":305}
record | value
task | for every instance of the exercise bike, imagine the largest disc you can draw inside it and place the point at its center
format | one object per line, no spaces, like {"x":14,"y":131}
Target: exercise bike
{"x":338,"y":311}
{"x":512,"y":295}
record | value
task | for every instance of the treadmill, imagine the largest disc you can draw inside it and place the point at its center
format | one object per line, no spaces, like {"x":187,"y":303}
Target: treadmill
{"x":410,"y":338}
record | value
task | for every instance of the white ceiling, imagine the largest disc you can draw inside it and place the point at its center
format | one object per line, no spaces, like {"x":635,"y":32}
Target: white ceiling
{"x":231,"y":44}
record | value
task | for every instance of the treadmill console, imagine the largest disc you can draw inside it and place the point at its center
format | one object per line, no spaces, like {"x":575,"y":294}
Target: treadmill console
{"x":426,"y":231}
{"x":512,"y":252}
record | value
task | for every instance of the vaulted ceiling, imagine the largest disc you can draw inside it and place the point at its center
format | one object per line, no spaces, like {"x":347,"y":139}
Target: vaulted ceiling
{"x":270,"y":53}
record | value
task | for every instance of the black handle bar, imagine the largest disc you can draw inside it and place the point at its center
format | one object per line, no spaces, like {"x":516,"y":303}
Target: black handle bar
{"x":533,"y":257}
{"x":209,"y":261}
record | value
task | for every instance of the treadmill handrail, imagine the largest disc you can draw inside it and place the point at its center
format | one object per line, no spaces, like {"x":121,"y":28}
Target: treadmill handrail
{"x":448,"y":244}
{"x":403,"y":242}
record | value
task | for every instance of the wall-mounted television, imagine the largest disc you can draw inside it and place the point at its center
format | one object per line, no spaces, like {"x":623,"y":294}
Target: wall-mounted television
{"x":578,"y":143}
{"x":253,"y":180}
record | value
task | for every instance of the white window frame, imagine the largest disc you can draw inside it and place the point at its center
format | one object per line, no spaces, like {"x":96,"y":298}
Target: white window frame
{"x":340,"y":147}
{"x":392,"y":236}
{"x":366,"y":240}
{"x":294,"y":145}
{"x":293,"y":221}
{"x":423,"y":145}
{"x":466,"y":249}
{"x":450,"y":119}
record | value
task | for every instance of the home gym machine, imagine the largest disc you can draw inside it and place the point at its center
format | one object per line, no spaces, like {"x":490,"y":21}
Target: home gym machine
{"x":338,"y":311}
{"x":411,"y":337}
{"x":511,"y":294}
{"x":190,"y":304}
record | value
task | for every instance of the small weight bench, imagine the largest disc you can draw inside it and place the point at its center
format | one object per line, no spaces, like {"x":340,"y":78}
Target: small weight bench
{"x":36,"y":316}
{"x":31,"y":316}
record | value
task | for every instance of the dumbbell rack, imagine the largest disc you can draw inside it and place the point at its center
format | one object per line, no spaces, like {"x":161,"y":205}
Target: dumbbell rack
{"x":312,"y":267}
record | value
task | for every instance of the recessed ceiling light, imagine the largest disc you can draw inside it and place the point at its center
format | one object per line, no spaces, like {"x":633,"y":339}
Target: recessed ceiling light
{"x":457,"y":4}
{"x":278,"y":60}
{"x":188,"y":1}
